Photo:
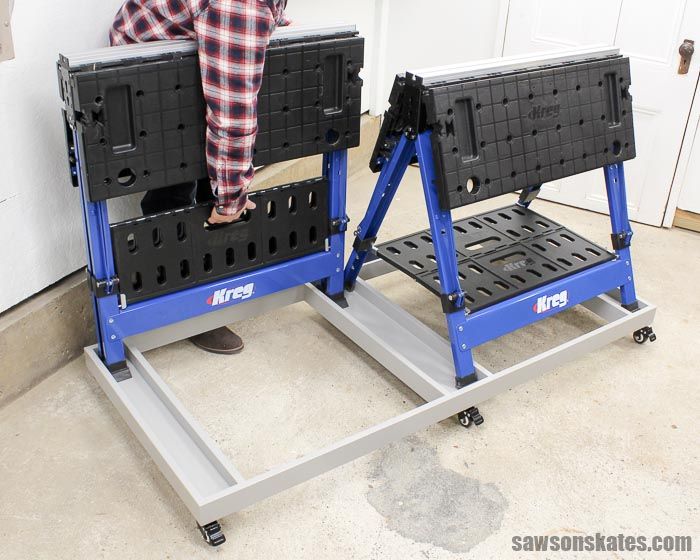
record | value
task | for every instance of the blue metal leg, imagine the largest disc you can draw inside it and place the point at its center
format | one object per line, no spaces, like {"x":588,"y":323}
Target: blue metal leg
{"x":621,"y":228}
{"x":100,"y":265}
{"x":388,"y":183}
{"x":335,"y":169}
{"x":446,"y":257}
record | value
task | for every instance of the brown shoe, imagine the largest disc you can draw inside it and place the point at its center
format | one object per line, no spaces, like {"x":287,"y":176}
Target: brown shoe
{"x":218,"y":341}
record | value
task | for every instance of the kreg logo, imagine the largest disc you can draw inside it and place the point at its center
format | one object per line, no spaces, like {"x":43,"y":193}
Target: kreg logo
{"x":539,"y":112}
{"x":517,"y":265}
{"x":545,"y":303}
{"x":225,"y":296}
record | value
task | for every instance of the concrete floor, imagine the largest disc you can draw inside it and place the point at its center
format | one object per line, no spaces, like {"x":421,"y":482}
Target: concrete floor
{"x":606,"y":444}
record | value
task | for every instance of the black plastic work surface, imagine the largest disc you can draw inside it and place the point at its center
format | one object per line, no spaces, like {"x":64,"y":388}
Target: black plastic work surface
{"x":142,"y":124}
{"x":500,"y":133}
{"x":496,"y":261}
{"x":171,"y":251}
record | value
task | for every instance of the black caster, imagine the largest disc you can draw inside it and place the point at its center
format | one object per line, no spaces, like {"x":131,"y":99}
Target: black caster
{"x":469,"y":416}
{"x":212,"y":533}
{"x":642,"y":335}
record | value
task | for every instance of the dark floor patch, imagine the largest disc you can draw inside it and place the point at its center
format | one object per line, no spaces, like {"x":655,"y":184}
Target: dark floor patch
{"x":423,"y":501}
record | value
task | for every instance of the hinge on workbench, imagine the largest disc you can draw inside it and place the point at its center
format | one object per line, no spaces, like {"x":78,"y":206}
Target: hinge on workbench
{"x":339,"y":225}
{"x":102,"y":288}
{"x":621,"y":240}
{"x":364,"y":245}
{"x":453,"y":302}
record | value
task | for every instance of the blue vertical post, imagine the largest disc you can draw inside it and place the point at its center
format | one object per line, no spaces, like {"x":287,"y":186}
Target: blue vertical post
{"x":621,"y":228}
{"x":384,"y":192}
{"x":100,"y":265}
{"x":335,"y":169}
{"x":446,"y":257}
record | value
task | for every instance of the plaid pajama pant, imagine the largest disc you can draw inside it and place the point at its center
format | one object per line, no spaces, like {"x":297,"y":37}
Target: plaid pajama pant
{"x":232,"y":37}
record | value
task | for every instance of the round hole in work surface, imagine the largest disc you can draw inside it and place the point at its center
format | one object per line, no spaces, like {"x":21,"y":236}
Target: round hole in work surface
{"x":181,"y":126}
{"x":183,"y":166}
{"x":285,"y":109}
{"x":478,"y":106}
{"x":143,"y":134}
{"x":617,"y":148}
{"x":126,"y":177}
{"x":139,"y":93}
{"x":473,"y":185}
{"x":99,"y":99}
{"x":285,"y":72}
{"x":332,"y":136}
{"x":531,"y":96}
{"x":450,"y":112}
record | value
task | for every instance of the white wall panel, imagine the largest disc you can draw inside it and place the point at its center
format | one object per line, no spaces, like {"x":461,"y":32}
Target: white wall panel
{"x":421,"y":33}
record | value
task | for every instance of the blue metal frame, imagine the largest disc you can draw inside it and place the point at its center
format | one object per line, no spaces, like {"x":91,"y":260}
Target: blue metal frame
{"x":114,"y":324}
{"x":469,"y":330}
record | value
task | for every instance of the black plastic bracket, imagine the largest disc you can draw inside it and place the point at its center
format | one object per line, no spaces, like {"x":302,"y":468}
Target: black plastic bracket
{"x":462,"y":382}
{"x":339,"y":225}
{"x":453,"y":302}
{"x":120,"y":371}
{"x":340,"y":300}
{"x":528,"y":195}
{"x":364,"y":245}
{"x":621,"y":240}
{"x":102,"y":288}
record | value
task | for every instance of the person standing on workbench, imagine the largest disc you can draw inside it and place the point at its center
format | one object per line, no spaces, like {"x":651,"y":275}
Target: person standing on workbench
{"x":232,"y":37}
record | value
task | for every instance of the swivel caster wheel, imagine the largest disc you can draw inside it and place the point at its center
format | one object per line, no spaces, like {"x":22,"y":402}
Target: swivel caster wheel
{"x":642,"y":335}
{"x":469,"y":416}
{"x":212,"y":533}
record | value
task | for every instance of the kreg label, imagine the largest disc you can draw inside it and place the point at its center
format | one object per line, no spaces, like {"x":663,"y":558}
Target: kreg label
{"x":545,"y":303}
{"x":540,"y":112}
{"x":220,"y":297}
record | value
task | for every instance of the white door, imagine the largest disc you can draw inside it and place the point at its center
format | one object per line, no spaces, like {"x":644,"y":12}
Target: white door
{"x":650,"y":33}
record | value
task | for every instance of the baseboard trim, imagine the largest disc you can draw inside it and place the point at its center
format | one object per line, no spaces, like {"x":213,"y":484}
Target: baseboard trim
{"x":687,"y":220}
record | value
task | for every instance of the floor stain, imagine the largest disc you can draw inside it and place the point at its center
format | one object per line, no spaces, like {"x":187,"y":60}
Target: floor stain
{"x":428,"y":503}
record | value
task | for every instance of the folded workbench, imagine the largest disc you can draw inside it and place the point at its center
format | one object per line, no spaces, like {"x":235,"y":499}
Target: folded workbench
{"x":135,"y":121}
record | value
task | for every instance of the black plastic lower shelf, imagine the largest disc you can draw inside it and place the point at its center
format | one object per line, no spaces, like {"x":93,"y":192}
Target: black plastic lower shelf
{"x":500,"y":254}
{"x":171,"y":251}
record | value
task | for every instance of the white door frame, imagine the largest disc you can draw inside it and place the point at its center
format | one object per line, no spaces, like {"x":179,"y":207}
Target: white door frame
{"x":691,"y":130}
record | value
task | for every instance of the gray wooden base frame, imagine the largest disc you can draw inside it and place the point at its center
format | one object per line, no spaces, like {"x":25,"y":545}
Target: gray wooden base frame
{"x":212,"y":487}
